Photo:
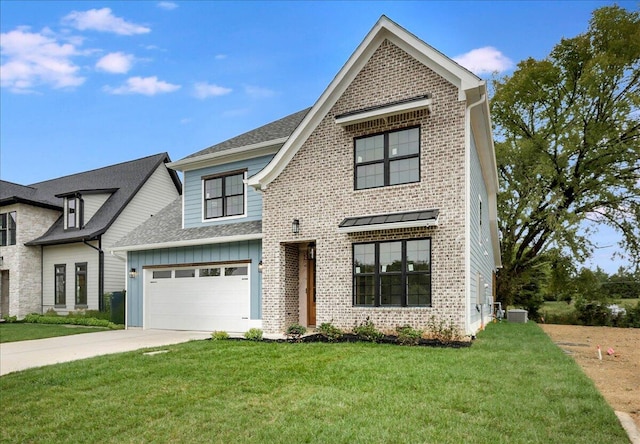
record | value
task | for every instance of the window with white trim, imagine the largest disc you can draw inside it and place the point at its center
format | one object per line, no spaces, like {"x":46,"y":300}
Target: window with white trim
{"x":392,"y":273}
{"x":224,"y":195}
{"x":390,"y":158}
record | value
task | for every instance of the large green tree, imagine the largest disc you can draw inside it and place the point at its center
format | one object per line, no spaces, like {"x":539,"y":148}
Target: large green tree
{"x":567,"y":132}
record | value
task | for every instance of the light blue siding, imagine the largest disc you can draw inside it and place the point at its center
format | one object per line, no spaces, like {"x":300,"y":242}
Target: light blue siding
{"x":482,"y":258}
{"x":247,"y":250}
{"x":193,"y":198}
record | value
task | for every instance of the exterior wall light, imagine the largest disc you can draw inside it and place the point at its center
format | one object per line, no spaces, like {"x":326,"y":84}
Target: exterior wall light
{"x":260,"y":266}
{"x":295,"y":226}
{"x":133,"y":273}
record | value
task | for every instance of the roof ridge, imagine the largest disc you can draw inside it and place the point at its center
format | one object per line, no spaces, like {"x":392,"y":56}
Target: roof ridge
{"x":36,"y":184}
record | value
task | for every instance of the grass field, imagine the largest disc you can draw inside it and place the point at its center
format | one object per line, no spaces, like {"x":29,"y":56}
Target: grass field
{"x":12,"y":332}
{"x":512,"y":385}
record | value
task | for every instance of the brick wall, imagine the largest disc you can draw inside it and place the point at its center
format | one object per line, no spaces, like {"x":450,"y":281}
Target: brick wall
{"x":24,"y":264}
{"x":317,"y":188}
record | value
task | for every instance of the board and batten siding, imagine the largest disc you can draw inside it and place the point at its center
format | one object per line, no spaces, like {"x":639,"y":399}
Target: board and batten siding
{"x":92,"y":203}
{"x":157,"y":192}
{"x":193,"y":192}
{"x":193,"y":255}
{"x":482,"y":255}
{"x":69,"y":254}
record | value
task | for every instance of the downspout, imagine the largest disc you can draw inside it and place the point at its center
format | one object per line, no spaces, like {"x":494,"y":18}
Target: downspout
{"x":42,"y":282}
{"x":467,"y":245}
{"x":100,"y":271}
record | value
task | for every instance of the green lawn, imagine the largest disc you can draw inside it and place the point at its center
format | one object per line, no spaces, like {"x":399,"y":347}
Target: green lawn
{"x":513,"y":385}
{"x":23,"y":332}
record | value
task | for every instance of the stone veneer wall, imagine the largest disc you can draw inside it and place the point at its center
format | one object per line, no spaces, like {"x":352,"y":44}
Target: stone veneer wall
{"x":317,"y":187}
{"x":25,"y":263}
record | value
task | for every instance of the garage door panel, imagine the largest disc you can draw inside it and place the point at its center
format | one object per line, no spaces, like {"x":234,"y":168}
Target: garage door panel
{"x":198,"y":303}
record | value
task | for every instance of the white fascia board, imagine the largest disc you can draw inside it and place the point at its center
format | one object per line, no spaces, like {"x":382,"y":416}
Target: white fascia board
{"x":391,"y":226}
{"x":191,"y":242}
{"x":381,"y":113}
{"x":433,"y":59}
{"x":230,"y":155}
{"x":329,"y":97}
{"x":383,"y":29}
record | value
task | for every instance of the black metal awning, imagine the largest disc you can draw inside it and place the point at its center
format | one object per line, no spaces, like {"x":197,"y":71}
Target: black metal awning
{"x":421,"y":218}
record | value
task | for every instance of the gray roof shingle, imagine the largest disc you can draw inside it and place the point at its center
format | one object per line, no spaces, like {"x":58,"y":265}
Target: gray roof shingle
{"x":271,"y":131}
{"x":125,"y":178}
{"x":166,"y":227}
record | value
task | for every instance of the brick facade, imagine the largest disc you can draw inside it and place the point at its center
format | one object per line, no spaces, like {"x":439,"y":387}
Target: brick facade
{"x":22,"y":265}
{"x":317,"y":187}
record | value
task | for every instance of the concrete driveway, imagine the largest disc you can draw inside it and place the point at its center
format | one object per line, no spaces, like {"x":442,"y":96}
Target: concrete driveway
{"x":15,"y":356}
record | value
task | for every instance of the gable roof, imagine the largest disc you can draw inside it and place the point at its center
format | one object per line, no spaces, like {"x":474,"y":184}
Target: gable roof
{"x":272,"y":134}
{"x":123,"y":179}
{"x":469,"y":86}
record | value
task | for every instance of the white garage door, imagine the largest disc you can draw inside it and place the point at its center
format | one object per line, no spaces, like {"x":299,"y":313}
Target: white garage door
{"x":205,"y":298}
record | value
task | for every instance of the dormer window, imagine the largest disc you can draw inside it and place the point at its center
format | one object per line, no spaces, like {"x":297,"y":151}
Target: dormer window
{"x":72,"y":212}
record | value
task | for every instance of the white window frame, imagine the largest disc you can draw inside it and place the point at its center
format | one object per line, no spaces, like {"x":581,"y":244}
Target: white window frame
{"x":203,"y":203}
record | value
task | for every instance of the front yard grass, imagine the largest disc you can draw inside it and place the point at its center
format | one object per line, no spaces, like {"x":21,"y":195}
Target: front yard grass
{"x":513,"y":385}
{"x":12,"y":332}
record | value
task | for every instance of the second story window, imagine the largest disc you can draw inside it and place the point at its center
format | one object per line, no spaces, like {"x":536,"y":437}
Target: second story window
{"x":224,"y":195}
{"x":391,"y":158}
{"x":8,"y":228}
{"x":72,"y":212}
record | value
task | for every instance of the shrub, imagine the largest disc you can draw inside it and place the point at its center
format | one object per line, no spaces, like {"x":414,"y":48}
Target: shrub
{"x":407,"y":335}
{"x":219,"y":335}
{"x":367,"y":331}
{"x":442,"y":331}
{"x":35,"y":318}
{"x":253,"y":334}
{"x":10,"y":319}
{"x":51,"y":312}
{"x":593,"y":313}
{"x":295,"y":331}
{"x":330,"y":331}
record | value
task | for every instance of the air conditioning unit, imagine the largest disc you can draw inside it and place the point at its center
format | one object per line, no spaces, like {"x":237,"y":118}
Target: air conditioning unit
{"x":518,"y":315}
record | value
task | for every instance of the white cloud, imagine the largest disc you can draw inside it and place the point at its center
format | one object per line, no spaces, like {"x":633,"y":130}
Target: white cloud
{"x":258,"y":92}
{"x":116,"y":63}
{"x":149,"y":86}
{"x":484,"y":60}
{"x":220,"y":56}
{"x":168,"y":6}
{"x":32,"y":59}
{"x":203,"y":90}
{"x":103,"y":20}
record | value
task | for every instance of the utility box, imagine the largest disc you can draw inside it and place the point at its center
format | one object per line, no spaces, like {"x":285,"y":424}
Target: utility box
{"x":117,"y":307}
{"x":518,"y":315}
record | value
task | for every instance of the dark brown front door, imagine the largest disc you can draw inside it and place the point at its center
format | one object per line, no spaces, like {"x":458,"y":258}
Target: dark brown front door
{"x":311,"y":289}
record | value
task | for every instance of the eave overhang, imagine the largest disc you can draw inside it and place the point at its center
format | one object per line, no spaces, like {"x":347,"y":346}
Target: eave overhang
{"x":189,"y":242}
{"x":230,"y":155}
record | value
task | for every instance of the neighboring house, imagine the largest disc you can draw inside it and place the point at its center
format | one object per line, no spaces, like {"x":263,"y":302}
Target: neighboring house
{"x":377,"y":203}
{"x":56,"y":234}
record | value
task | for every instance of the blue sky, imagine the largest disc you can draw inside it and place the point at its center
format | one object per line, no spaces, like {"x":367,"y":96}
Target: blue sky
{"x":86,"y":84}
